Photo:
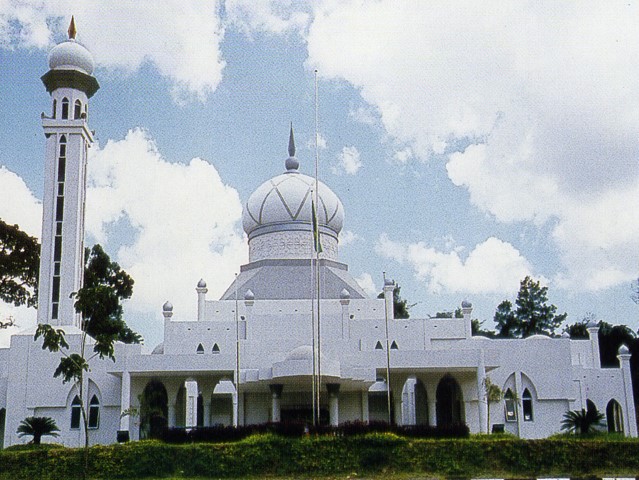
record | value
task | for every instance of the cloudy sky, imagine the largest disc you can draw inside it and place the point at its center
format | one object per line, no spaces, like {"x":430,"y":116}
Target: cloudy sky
{"x":472,"y":143}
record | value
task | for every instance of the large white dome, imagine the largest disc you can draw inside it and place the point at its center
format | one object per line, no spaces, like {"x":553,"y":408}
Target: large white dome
{"x":284,"y":202}
{"x":70,"y":55}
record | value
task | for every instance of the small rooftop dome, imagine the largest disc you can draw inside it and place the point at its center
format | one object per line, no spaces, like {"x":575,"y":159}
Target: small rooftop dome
{"x":466,"y":304}
{"x":623,"y":350}
{"x":592,"y":324}
{"x":249,"y":295}
{"x":70,"y":55}
{"x":303,"y":352}
{"x":201,"y":283}
{"x":389,"y":281}
{"x":167,"y":307}
{"x":345,"y":294}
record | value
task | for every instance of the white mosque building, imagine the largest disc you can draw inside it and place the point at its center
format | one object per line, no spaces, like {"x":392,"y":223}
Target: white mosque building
{"x":254,"y":355}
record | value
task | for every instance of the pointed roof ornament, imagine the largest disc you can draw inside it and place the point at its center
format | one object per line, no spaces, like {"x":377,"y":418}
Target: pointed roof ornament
{"x":72,"y":30}
{"x":291,"y":143}
{"x":292,"y":164}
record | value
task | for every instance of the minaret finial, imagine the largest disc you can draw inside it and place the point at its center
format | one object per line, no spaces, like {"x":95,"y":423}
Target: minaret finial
{"x":72,"y":30}
{"x":291,"y":143}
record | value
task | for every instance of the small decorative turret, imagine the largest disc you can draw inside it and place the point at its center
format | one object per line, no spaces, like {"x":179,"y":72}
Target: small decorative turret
{"x":167,"y":310}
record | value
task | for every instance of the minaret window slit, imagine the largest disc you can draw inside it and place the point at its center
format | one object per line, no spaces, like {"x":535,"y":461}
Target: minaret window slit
{"x":65,"y":108}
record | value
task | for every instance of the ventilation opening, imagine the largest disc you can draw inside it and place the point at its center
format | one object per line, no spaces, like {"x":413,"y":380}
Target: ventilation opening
{"x":394,"y":345}
{"x":378,"y":346}
{"x":216,"y":349}
{"x":200,"y":348}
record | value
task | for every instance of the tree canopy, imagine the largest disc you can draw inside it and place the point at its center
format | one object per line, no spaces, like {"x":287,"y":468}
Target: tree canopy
{"x":19,"y":266}
{"x":532,"y":314}
{"x":400,"y":305}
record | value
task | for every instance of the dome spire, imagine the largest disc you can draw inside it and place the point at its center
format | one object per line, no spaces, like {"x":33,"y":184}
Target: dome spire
{"x":292,"y":164}
{"x":72,"y":30}
{"x":291,"y":143}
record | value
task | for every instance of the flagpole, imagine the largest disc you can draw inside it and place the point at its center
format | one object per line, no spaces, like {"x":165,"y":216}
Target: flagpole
{"x":317,"y":252}
{"x":237,"y":358}
{"x":313,"y":328}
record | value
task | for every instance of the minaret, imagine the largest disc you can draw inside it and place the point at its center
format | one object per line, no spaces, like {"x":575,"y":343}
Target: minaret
{"x":68,"y":138}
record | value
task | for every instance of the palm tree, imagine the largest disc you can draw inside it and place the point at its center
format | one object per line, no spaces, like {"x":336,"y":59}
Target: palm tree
{"x":582,"y":421}
{"x":493,"y":395}
{"x":37,"y":427}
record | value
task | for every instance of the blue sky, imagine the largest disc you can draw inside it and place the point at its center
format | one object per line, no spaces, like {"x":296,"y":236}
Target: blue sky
{"x":471,"y":144}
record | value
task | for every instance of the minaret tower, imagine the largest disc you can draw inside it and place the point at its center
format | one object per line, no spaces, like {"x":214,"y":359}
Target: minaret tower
{"x":68,"y":138}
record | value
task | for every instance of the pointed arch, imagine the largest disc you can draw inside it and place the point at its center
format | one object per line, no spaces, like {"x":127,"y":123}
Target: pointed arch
{"x":450,"y":402}
{"x":77,"y":110}
{"x":614,"y":417}
{"x":153,"y":409}
{"x":510,"y":406}
{"x":378,"y":346}
{"x":527,"y":405}
{"x":94,"y":412}
{"x":76,"y":413}
{"x":200,"y":348}
{"x":215,"y":349}
{"x":65,"y":108}
{"x":394,"y":346}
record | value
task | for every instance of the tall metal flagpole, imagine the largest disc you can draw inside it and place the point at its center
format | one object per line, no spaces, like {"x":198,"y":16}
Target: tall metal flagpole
{"x":314,"y":388}
{"x":237,"y":358}
{"x":388,"y":380}
{"x":317,"y":252}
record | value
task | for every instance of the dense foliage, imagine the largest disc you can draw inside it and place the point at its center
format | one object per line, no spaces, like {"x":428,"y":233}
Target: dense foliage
{"x":532,"y":314}
{"x":268,"y":455}
{"x":19,"y":266}
{"x":37,"y":427}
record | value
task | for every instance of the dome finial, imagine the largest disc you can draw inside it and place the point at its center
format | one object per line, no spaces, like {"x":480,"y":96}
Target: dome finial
{"x":291,"y":143}
{"x":291,"y":163}
{"x":72,"y":30}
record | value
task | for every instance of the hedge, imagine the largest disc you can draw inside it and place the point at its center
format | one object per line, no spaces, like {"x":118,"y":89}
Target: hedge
{"x":269,"y":454}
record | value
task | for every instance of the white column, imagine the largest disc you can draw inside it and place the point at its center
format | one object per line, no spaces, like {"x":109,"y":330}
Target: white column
{"x":409,"y":414}
{"x":365,"y":406}
{"x":276,"y":395}
{"x":333,"y":403}
{"x":191,"y":403}
{"x":432,"y":412}
{"x":629,"y":417}
{"x":125,"y":400}
{"x":593,"y":332}
{"x":518,"y":393}
{"x":482,"y":400}
{"x":345,"y":300}
{"x":201,"y":299}
{"x":207,"y":409}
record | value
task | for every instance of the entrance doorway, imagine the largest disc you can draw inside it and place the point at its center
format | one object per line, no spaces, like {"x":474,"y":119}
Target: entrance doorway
{"x":153,"y":410}
{"x":449,"y":402}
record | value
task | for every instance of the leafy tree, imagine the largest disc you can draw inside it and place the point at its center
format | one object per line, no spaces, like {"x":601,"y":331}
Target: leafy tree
{"x":505,"y":320}
{"x":19,"y":266}
{"x":582,"y":422}
{"x":400,"y":305}
{"x":37,"y":427}
{"x":476,"y":328}
{"x":493,"y":395}
{"x":456,"y":314}
{"x":98,"y":302}
{"x":532,"y":315}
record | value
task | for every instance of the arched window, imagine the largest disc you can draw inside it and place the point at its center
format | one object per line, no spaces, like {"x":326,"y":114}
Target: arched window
{"x":378,"y":346}
{"x":55,"y":105}
{"x":94,"y":412}
{"x":614,"y":417}
{"x":510,"y":406}
{"x":394,"y":345}
{"x":216,"y":349}
{"x":76,"y":412}
{"x":65,"y":108}
{"x":77,"y":110}
{"x":200,"y":348}
{"x":527,"y":406}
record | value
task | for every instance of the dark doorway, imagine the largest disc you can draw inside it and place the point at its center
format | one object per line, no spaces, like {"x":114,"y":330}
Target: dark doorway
{"x":3,"y":414}
{"x":421,"y":404}
{"x":303,"y":414}
{"x":614,"y":417}
{"x":449,"y":402}
{"x":153,"y":410}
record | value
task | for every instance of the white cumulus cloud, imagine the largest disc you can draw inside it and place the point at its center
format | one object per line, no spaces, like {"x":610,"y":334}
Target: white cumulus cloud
{"x":181,"y":38}
{"x":365,"y":280}
{"x":179,"y":222}
{"x":493,"y":266}
{"x":348,"y":161}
